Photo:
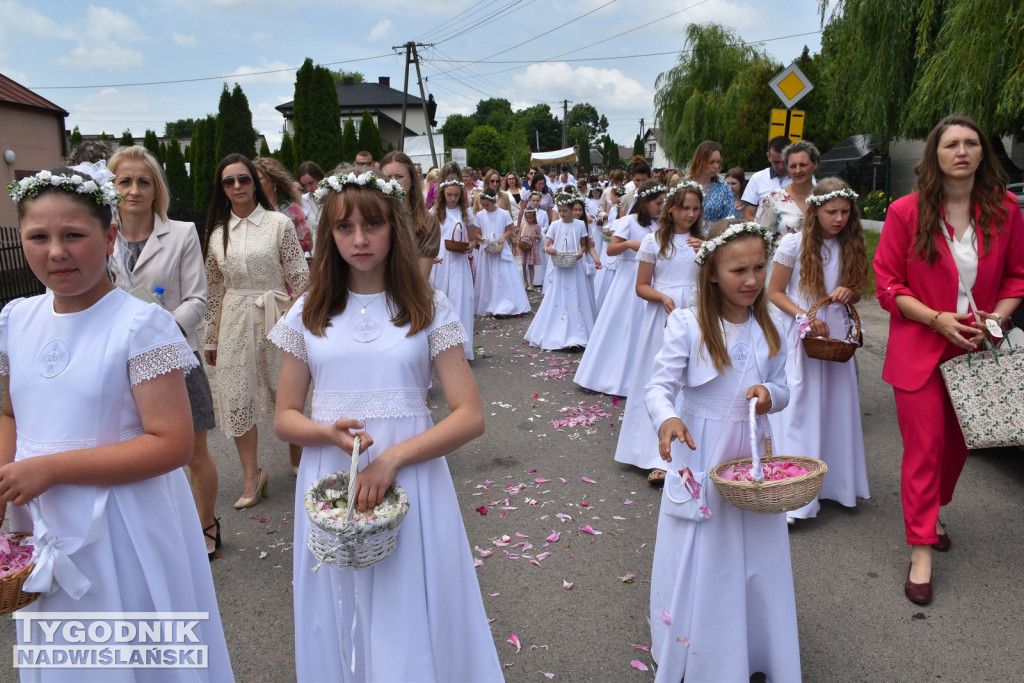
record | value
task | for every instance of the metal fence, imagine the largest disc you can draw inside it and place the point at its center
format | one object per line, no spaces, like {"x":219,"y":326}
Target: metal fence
{"x":16,"y":279}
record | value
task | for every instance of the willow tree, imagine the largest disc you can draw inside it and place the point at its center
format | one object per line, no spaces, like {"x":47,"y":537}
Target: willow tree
{"x":911,"y":63}
{"x":698,"y":99}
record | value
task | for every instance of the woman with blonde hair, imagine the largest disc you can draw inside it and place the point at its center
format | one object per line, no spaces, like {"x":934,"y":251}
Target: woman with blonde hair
{"x":165,"y":253}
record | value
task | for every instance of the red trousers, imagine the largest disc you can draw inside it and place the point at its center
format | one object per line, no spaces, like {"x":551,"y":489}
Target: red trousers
{"x":934,"y":454}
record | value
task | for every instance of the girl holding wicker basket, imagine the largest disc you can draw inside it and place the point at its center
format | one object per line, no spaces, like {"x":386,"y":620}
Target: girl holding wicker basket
{"x":825,"y":259}
{"x":722,"y":600}
{"x":368,"y":335}
{"x":566,"y":314}
{"x":452,"y":274}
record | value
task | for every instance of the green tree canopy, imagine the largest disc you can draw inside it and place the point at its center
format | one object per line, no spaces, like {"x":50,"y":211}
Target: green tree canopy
{"x":699,"y":98}
{"x":264,"y":148}
{"x":203,"y":161}
{"x":152,"y":144}
{"x":538,"y":121}
{"x":456,"y":129}
{"x":317,"y":118}
{"x":494,"y":112}
{"x":369,"y":136}
{"x":286,"y":155}
{"x":911,"y":63}
{"x":584,"y":114}
{"x":485,"y":148}
{"x":76,"y":137}
{"x":183,"y":129}
{"x":178,"y":182}
{"x":610,"y":153}
{"x":638,"y":146}
{"x":234,"y":132}
{"x":339,"y":76}
{"x":126,"y":139}
{"x":349,"y":142}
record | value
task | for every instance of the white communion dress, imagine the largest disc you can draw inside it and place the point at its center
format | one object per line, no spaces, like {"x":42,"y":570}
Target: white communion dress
{"x":823,"y":418}
{"x":675,"y":275}
{"x":453,"y":275}
{"x":607,"y":364}
{"x":129,"y":548}
{"x":566,"y":314}
{"x":499,"y":285}
{"x":418,"y":615}
{"x":722,"y":599}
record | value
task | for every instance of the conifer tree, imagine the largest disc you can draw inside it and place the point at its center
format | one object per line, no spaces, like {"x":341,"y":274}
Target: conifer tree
{"x":286,"y":155}
{"x":264,"y":148}
{"x":178,"y":181}
{"x":233,"y":131}
{"x":369,"y":136}
{"x":349,"y":142}
{"x":76,"y":137}
{"x":126,"y":139}
{"x":152,"y":145}
{"x":316,"y":116}
{"x":204,"y":161}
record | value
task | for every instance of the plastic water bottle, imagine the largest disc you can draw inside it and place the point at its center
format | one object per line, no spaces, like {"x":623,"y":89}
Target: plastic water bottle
{"x":158,"y":294}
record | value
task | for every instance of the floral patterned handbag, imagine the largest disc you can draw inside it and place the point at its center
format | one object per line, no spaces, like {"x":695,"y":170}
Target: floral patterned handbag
{"x":985,"y":388}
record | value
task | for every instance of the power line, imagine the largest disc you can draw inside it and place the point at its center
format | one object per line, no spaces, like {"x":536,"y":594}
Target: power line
{"x":477,"y":24}
{"x":463,"y":18}
{"x":203,"y":78}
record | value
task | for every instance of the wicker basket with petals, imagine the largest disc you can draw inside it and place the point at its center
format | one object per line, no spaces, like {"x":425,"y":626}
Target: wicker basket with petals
{"x":769,"y":497}
{"x":454,"y":245}
{"x":12,"y":597}
{"x":342,"y":538}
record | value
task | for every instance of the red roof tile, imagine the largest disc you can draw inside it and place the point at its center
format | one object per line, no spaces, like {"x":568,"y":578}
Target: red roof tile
{"x":14,"y":93}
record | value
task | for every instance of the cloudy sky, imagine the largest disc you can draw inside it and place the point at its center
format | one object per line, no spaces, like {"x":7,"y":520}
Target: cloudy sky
{"x":132,"y":65}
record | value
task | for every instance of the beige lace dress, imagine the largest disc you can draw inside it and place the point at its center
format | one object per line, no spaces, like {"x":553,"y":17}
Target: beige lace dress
{"x":247,"y":295}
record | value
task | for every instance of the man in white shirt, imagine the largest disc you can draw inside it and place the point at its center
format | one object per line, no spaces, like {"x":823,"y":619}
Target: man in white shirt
{"x":762,"y":183}
{"x":564,"y":179}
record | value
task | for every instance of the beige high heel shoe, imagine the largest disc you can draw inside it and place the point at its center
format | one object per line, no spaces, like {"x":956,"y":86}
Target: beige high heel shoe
{"x":261,"y":489}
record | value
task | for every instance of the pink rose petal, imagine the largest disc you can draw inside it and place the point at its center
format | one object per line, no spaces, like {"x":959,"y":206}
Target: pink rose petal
{"x":521,"y":535}
{"x":477,"y":562}
{"x":553,"y":538}
{"x":638,"y":665}
{"x":641,"y":647}
{"x":541,"y":480}
{"x":588,"y":480}
{"x":548,"y":675}
{"x":562,"y":480}
{"x":567,"y":585}
{"x":514,"y":639}
{"x":483,"y":553}
{"x":628,"y":578}
{"x":589,"y":530}
{"x":541,"y":556}
{"x":627,"y":502}
{"x":666,"y":618}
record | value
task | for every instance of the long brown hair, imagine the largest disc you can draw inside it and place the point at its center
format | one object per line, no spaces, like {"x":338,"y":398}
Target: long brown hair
{"x":988,"y":192}
{"x":283,"y":182}
{"x":440,"y":208}
{"x":643,"y":214}
{"x":851,"y":246}
{"x":667,"y":226}
{"x":702,"y":158}
{"x":220,"y":206}
{"x":709,"y":307}
{"x":409,"y":295}
{"x":419,"y":219}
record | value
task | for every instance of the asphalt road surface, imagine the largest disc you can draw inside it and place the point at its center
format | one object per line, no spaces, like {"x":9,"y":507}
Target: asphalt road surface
{"x":848,"y":564}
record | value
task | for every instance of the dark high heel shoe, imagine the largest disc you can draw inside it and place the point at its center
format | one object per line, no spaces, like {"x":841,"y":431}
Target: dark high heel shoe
{"x":215,"y":539}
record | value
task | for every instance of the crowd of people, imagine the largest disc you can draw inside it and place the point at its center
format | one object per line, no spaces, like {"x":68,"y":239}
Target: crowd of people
{"x":688,"y":293}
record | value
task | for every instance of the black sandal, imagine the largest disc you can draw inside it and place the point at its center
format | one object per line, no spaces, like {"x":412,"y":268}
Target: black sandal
{"x":215,"y":539}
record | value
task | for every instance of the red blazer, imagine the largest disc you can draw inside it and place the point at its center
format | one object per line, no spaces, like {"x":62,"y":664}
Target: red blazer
{"x":914,"y":349}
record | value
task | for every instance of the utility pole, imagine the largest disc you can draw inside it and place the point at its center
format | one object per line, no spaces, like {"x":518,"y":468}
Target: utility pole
{"x":538,"y":139}
{"x":412,"y":57}
{"x":641,"y":129}
{"x":565,"y":123}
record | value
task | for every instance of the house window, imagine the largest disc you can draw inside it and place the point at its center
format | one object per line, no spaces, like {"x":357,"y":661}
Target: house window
{"x":650,"y":149}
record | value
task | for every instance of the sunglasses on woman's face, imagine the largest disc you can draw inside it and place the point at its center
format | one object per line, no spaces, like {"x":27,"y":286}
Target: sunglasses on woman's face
{"x":228,"y":182}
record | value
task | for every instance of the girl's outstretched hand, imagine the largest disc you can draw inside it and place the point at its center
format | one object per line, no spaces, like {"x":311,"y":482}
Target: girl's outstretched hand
{"x":24,"y":480}
{"x":764,"y":398}
{"x":842,"y":295}
{"x":673,"y":428}
{"x":373,"y":482}
{"x":341,"y":434}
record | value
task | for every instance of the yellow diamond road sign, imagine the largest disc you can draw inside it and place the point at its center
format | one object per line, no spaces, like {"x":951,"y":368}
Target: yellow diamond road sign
{"x":791,"y":85}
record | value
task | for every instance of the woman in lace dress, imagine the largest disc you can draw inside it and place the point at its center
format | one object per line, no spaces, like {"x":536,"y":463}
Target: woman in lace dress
{"x":369,"y":335}
{"x":249,"y":266}
{"x":783,"y":210}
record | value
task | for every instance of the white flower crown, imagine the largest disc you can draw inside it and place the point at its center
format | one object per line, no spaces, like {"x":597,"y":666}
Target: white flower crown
{"x":337,"y":184}
{"x":686,"y":184}
{"x":450,"y":183}
{"x":32,"y":185}
{"x":565,"y":199}
{"x":619,"y":190}
{"x":731,"y":233}
{"x":657,"y":189}
{"x":844,"y":193}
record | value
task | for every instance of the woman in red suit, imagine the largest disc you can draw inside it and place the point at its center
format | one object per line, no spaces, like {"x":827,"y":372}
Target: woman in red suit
{"x":960,"y":190}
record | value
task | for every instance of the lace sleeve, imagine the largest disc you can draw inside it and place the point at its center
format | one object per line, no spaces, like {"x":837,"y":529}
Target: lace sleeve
{"x":647,"y":257}
{"x":445,"y":337}
{"x":161,"y":360}
{"x":785,"y":259}
{"x":214,"y":295}
{"x":296,"y":270}
{"x":290,"y":340}
{"x":5,"y":364}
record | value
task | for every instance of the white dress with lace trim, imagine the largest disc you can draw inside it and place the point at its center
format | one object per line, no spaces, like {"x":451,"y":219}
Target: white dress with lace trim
{"x":443,"y":633}
{"x":130,"y":548}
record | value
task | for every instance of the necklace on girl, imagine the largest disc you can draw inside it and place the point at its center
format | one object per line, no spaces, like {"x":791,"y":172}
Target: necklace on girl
{"x":366,"y":326}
